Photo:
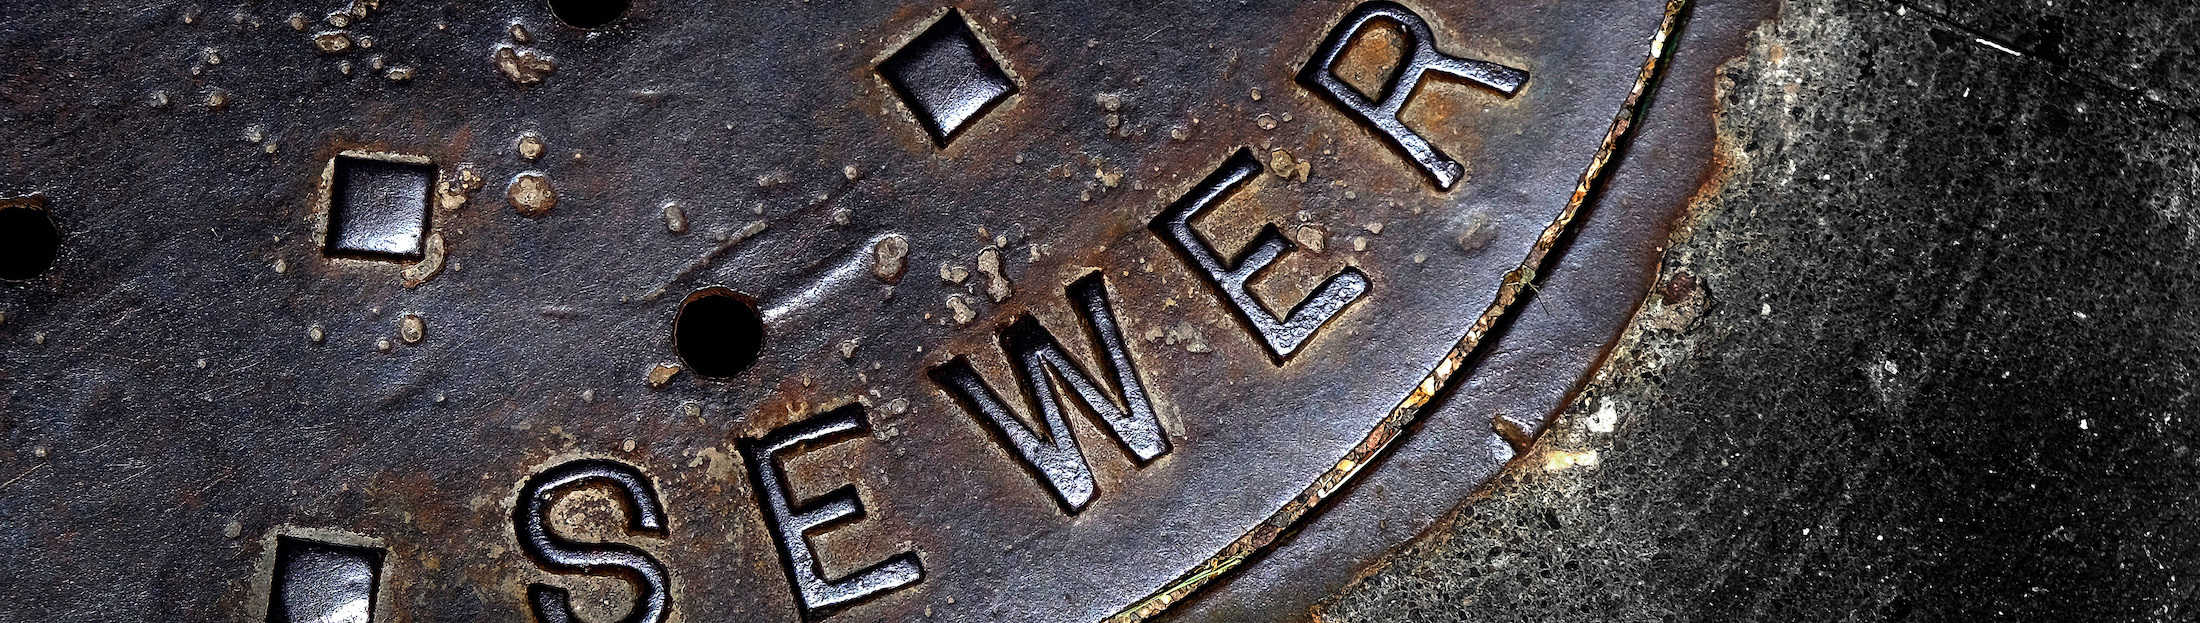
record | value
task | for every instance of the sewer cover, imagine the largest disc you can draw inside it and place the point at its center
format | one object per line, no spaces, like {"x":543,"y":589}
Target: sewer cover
{"x":667,"y":310}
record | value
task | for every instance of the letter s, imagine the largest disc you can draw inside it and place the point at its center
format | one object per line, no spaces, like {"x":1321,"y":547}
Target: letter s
{"x":531,"y":522}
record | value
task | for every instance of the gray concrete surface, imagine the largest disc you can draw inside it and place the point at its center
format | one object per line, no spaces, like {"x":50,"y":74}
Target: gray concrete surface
{"x":1927,"y":354}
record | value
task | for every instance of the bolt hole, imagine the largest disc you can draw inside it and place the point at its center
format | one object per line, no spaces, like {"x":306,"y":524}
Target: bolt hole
{"x":28,"y":242}
{"x":718,"y":333}
{"x":588,"y":13}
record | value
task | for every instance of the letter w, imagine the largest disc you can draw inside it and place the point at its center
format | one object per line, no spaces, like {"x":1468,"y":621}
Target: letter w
{"x":1039,"y":361}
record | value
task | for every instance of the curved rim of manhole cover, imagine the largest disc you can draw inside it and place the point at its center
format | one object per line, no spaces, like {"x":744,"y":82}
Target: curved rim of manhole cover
{"x":1439,"y":378}
{"x":646,"y":311}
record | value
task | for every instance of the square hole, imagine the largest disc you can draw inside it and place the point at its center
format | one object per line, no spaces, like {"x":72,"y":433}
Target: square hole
{"x":378,"y":209}
{"x":947,"y":77}
{"x":322,"y":582}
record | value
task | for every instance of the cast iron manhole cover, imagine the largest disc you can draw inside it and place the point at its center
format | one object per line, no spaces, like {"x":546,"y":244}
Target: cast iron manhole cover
{"x":669,"y":310}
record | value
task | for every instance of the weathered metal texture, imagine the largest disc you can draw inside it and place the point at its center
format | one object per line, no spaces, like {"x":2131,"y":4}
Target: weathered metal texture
{"x":197,"y":380}
{"x":1394,"y":424}
{"x":1566,"y":323}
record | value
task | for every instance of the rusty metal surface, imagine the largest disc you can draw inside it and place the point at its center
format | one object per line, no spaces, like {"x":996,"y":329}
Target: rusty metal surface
{"x":488,"y":418}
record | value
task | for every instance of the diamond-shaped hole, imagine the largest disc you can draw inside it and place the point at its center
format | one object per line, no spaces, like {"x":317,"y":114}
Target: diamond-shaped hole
{"x":378,"y":209}
{"x":947,"y":77}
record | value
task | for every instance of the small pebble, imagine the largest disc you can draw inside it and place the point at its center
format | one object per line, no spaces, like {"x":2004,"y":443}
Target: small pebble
{"x":989,"y":264}
{"x":531,"y":194}
{"x":959,"y":306}
{"x":662,"y":373}
{"x":412,"y":329}
{"x":676,"y":221}
{"x":1312,"y":236}
{"x":531,"y":146}
{"x":332,"y":42}
{"x":889,"y":258}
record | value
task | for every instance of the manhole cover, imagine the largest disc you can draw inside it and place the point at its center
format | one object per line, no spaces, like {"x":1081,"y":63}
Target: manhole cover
{"x":667,"y":310}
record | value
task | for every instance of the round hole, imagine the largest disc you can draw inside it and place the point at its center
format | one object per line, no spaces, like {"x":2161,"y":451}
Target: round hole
{"x":718,"y":333}
{"x":28,"y":242}
{"x":588,"y":13}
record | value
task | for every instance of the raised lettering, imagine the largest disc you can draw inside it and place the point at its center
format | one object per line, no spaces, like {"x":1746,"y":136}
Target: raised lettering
{"x":531,"y":519}
{"x":1320,"y":75}
{"x":1039,"y":360}
{"x":792,"y":522}
{"x":1282,"y":336}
